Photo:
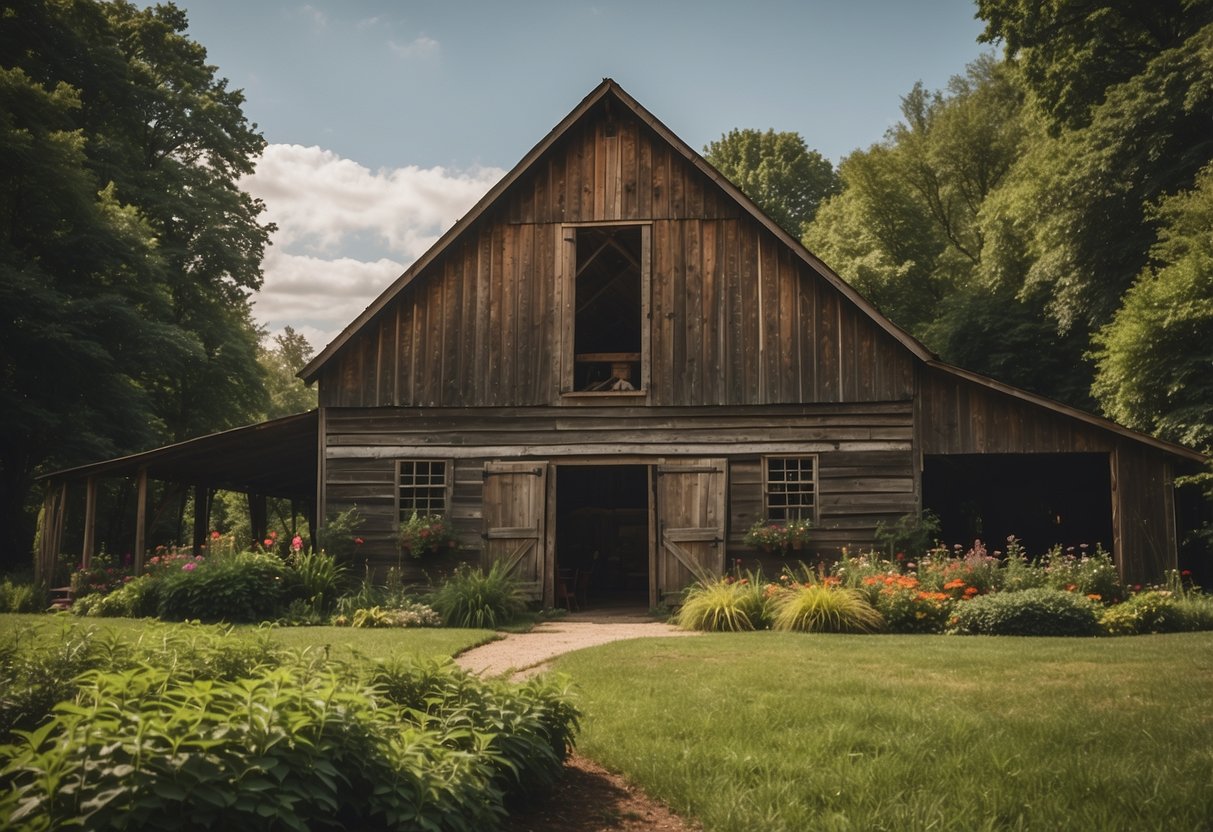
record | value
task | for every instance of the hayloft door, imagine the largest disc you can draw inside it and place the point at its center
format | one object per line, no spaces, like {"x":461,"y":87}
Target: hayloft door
{"x":690,"y":524}
{"x":515,"y":499}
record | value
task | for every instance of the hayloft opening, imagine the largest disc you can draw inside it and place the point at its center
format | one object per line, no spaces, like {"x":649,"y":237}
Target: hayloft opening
{"x":609,"y":313}
{"x":602,"y":535}
{"x":1042,"y":499}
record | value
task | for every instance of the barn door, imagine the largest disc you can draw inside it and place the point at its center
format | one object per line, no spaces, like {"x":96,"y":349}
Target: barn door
{"x":515,"y":497}
{"x":690,"y":524}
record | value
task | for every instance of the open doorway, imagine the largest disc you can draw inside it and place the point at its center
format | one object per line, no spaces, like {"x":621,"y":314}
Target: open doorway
{"x":1042,"y":499}
{"x":602,"y":534}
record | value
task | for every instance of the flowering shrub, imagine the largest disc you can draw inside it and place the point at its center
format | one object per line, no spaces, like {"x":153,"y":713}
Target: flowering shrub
{"x":906,"y":607}
{"x":411,"y":615}
{"x":1152,"y":611}
{"x":101,"y":577}
{"x":771,"y":536}
{"x":1091,"y":574}
{"x":242,"y":586}
{"x":424,"y":534}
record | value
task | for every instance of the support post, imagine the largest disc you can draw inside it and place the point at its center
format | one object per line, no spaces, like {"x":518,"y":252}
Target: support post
{"x":140,"y":519}
{"x":90,"y":522}
{"x":258,"y":515}
{"x":202,"y":516}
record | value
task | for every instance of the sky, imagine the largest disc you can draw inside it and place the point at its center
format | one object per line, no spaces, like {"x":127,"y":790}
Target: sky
{"x":386,"y":121}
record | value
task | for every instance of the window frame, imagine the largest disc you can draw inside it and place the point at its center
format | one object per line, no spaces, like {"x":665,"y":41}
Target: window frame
{"x":567,"y":303}
{"x":446,"y":486}
{"x":815,"y":492}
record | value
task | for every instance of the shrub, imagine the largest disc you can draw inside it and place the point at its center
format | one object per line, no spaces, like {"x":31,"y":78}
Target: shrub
{"x":1091,"y":574}
{"x":241,"y":586}
{"x":960,"y":574}
{"x":102,"y":576}
{"x":817,"y":608}
{"x":424,"y":534}
{"x":1152,"y":611}
{"x":907,"y":608}
{"x":21,"y":597}
{"x":472,"y":597}
{"x":315,"y":577}
{"x":1030,"y":612}
{"x":138,"y":598}
{"x":1018,"y":572}
{"x":910,"y":536}
{"x":722,"y":605}
{"x":413,"y":615}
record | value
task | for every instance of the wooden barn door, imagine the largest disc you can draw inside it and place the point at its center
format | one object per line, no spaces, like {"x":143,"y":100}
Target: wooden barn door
{"x":690,"y":524}
{"x":515,"y":499}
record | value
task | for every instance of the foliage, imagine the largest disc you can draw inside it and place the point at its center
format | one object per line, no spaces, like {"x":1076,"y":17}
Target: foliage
{"x":911,"y":534}
{"x":133,"y":298}
{"x":307,"y":742}
{"x":1086,"y":573}
{"x":339,"y":535}
{"x":138,"y":598}
{"x":1029,"y":612}
{"x":723,"y":605}
{"x":908,"y":608}
{"x":781,"y":537}
{"x":408,"y":615}
{"x":19,"y":597}
{"x":426,"y":534}
{"x":1152,"y":611}
{"x":472,"y":597}
{"x":823,"y":608}
{"x":778,"y":171}
{"x":964,"y":574}
{"x":101,"y":576}
{"x":281,"y":359}
{"x":315,"y":577}
{"x":1153,"y":357}
{"x":238,"y":586}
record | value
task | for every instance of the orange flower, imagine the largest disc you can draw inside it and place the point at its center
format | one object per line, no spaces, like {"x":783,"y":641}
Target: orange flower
{"x":1095,"y":596}
{"x":955,"y":583}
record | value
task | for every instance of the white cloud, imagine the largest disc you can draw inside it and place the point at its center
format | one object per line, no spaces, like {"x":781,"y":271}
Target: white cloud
{"x":422,"y":46}
{"x":326,"y":207}
{"x":315,"y":16}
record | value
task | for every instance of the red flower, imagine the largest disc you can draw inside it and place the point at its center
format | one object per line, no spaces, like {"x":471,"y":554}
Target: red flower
{"x":215,"y":535}
{"x":358,"y":541}
{"x":269,"y":541}
{"x":1187,"y":573}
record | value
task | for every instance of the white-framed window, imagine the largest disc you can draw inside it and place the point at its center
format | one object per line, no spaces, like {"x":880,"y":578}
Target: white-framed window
{"x":423,"y":487}
{"x":790,"y":487}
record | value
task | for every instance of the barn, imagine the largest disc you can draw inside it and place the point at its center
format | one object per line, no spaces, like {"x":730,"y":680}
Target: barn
{"x":615,"y":363}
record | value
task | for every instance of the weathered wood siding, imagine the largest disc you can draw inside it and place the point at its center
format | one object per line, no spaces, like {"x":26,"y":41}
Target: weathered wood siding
{"x":735,"y":318}
{"x":1143,"y":513}
{"x":864,"y":454}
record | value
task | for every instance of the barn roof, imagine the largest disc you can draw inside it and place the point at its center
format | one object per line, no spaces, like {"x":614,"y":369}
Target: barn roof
{"x":275,"y":458}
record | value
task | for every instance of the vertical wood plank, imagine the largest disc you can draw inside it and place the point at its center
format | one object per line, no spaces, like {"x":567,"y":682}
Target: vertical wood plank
{"x":734,"y":341}
{"x":712,"y":314}
{"x":90,"y":522}
{"x":751,"y":298}
{"x":140,"y":519}
{"x":788,"y":354}
{"x":693,"y":315}
{"x":646,"y":324}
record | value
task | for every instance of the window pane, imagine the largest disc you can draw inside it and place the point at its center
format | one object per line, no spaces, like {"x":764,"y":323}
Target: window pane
{"x":791,"y":488}
{"x":422,"y":487}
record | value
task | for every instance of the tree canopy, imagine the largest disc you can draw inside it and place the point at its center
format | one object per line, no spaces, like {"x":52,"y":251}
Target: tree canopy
{"x":127,"y":252}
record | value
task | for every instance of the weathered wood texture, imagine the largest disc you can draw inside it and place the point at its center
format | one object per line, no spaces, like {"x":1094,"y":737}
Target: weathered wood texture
{"x":1143,"y":513}
{"x":691,"y":520}
{"x":864,"y":456}
{"x":734,"y":317}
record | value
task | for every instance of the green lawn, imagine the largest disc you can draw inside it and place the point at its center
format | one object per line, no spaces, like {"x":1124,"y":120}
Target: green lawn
{"x":823,"y":732}
{"x":342,"y":641}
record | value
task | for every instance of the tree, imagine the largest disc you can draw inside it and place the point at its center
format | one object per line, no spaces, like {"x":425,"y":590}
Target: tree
{"x":127,"y":252}
{"x":281,"y":362}
{"x":1155,"y":357}
{"x":778,"y":171}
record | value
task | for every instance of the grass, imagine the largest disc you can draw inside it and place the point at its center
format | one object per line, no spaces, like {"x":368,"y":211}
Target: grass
{"x":371,"y":643}
{"x":830,"y":732}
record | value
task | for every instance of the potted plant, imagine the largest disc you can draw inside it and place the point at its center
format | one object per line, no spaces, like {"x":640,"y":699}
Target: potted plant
{"x":773,"y":536}
{"x":425,"y":534}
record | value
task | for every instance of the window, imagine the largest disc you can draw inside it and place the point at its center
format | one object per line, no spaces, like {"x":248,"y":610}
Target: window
{"x":422,"y":487}
{"x":609,"y":326}
{"x":790,"y":487}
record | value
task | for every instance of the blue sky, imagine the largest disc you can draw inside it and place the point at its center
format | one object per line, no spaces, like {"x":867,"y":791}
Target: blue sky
{"x":388,"y":120}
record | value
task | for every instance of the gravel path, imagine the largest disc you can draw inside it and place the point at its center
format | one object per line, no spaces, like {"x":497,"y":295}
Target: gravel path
{"x":526,"y":654}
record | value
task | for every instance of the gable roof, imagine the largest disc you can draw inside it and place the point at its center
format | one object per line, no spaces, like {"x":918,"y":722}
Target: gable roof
{"x":609,"y":88}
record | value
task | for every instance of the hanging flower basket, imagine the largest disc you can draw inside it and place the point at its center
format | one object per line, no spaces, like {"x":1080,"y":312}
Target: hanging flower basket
{"x":778,"y":537}
{"x":427,"y":534}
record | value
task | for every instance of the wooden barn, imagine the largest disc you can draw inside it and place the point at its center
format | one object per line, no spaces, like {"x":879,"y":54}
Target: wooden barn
{"x":614,"y":364}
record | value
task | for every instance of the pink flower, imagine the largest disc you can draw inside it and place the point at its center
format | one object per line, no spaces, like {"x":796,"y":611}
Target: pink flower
{"x":215,"y":535}
{"x":190,"y":567}
{"x":296,"y":543}
{"x":274,"y":535}
{"x":358,"y":541}
{"x":269,"y":541}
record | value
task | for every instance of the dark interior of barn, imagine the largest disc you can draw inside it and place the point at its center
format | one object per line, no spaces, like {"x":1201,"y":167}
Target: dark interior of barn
{"x":607,"y":327}
{"x":1042,"y":499}
{"x":602,"y":535}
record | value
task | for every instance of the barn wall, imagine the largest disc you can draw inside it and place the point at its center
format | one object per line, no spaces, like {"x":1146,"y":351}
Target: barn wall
{"x":1143,"y":513}
{"x":864,"y":457}
{"x":735,"y":317}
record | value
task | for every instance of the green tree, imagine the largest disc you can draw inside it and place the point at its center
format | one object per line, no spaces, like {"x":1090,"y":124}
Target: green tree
{"x":1155,"y":357}
{"x":281,"y":360}
{"x":128,"y":253}
{"x":778,"y":171}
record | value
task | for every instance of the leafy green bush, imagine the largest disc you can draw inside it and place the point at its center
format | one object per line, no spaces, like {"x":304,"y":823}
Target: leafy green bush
{"x":240,"y":586}
{"x":412,"y":615}
{"x":472,"y":597}
{"x":1030,"y":612}
{"x":299,"y":743}
{"x":138,"y":598}
{"x":16,"y":597}
{"x":723,"y":605}
{"x":821,"y":608}
{"x":315,"y":577}
{"x":1197,"y":609}
{"x":910,"y":536}
{"x":907,"y":608}
{"x":1152,"y":611}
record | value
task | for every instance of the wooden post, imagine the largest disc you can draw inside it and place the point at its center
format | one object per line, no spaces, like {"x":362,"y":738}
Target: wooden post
{"x":202,"y":516}
{"x":90,"y":522}
{"x":140,"y":519}
{"x":258,"y":516}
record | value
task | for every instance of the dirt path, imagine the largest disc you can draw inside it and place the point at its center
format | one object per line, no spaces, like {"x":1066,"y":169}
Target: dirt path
{"x":525,"y":654}
{"x":588,"y":798}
